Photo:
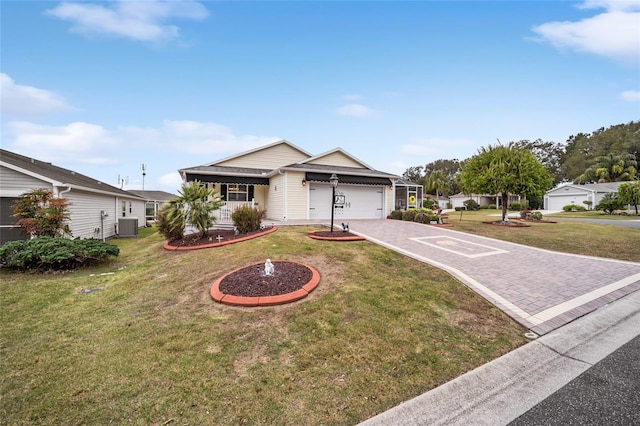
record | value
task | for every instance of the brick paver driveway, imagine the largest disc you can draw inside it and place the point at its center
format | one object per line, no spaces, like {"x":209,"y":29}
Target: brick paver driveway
{"x":540,"y":289}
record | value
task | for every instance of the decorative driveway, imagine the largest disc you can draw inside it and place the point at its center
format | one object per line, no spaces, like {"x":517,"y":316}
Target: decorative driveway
{"x":540,"y":289}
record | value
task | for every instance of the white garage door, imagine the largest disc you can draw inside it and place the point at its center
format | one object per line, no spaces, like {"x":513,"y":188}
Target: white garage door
{"x":557,"y":202}
{"x":360,"y":202}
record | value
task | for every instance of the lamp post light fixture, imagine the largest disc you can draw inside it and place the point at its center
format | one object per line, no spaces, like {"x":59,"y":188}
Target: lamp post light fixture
{"x":334,"y":183}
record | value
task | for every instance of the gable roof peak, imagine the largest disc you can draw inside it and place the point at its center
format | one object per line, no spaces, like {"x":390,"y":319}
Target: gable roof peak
{"x":260,"y":148}
{"x":337,"y":150}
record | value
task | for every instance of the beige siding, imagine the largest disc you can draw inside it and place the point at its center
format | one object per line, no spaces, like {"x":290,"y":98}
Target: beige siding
{"x":14,"y":184}
{"x":297,"y":197}
{"x":268,"y":158}
{"x":337,"y":159}
{"x":276,"y":198}
{"x":388,"y":201}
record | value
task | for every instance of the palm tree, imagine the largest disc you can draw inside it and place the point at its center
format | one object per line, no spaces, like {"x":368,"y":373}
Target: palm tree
{"x":611,"y":168}
{"x":437,"y":181}
{"x":194,"y":205}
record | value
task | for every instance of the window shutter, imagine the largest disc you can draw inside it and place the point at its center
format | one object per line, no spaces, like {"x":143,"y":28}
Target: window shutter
{"x":251,"y":193}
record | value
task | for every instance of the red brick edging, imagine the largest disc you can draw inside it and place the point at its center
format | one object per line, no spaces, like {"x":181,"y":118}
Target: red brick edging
{"x":280,"y":299}
{"x":221,"y":243}
{"x":337,"y":237}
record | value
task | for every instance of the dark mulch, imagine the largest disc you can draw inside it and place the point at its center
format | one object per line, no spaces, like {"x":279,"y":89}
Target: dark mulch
{"x":251,"y":281}
{"x":193,"y":240}
{"x":334,"y":234}
{"x":510,"y":223}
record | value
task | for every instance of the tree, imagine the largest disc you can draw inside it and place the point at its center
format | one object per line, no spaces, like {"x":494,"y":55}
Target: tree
{"x":629,"y":193}
{"x":450,"y":168}
{"x":611,"y":168}
{"x":40,"y":214}
{"x":504,"y":170}
{"x":583,"y":149}
{"x":194,"y":205}
{"x":609,"y":203}
{"x":438,"y":182}
{"x":548,"y":153}
{"x":414,"y":174}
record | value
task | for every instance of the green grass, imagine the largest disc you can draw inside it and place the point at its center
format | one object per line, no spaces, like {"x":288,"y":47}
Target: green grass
{"x":149,"y":346}
{"x":592,"y":239}
{"x":595,"y":214}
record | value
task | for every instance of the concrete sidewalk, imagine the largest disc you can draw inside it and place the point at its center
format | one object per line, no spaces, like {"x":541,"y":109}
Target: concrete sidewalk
{"x":502,"y":390}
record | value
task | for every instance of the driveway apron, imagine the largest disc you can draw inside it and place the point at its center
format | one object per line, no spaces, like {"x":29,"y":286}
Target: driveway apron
{"x":541,"y":289}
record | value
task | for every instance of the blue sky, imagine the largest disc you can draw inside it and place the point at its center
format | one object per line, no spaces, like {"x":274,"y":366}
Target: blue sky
{"x":103,"y":87}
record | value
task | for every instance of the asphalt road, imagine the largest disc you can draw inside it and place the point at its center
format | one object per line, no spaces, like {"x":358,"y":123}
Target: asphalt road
{"x":606,"y":394}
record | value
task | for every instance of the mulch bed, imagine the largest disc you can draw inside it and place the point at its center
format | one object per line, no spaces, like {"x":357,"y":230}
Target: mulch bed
{"x":335,"y":234}
{"x":251,"y":281}
{"x":194,"y":240}
{"x":510,"y":224}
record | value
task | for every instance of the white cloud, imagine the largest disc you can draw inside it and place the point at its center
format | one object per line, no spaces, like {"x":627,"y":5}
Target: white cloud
{"x":137,"y":20}
{"x":170,"y":181}
{"x":630,"y":95}
{"x":610,"y":4}
{"x":74,"y":143}
{"x":356,"y":110}
{"x":20,"y":100}
{"x":612,"y":34}
{"x":193,"y":137}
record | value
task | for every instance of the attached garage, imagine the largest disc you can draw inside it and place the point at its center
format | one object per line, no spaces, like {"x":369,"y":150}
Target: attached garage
{"x":557,"y":198}
{"x":355,"y":202}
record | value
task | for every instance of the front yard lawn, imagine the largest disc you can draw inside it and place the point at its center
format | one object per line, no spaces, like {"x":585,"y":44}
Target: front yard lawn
{"x":140,"y":341}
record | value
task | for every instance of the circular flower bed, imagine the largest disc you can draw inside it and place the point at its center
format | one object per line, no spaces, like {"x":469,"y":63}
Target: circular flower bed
{"x":249,"y":286}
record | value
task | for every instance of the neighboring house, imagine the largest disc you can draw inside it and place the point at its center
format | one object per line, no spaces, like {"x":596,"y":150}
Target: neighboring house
{"x":482,"y":199}
{"x":155,"y":200}
{"x":96,"y":208}
{"x":292,"y":184}
{"x":561,"y":196}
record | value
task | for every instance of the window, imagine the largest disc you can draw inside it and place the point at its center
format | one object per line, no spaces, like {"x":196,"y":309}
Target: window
{"x":124,"y":208}
{"x":237,"y":193}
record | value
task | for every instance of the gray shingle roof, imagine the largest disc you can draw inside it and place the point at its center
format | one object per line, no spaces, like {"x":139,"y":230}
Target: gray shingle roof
{"x":58,"y":175}
{"x":154,"y":195}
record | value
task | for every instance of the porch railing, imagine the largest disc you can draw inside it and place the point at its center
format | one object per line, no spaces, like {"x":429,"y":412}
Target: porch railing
{"x":223,"y":214}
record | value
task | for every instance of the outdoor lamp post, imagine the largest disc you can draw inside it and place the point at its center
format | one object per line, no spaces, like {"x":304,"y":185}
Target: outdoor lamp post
{"x":334,"y":183}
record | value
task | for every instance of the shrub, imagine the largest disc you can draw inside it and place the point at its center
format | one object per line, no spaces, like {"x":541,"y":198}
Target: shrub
{"x":396,"y":214}
{"x":429,"y":203}
{"x":409,"y":215}
{"x":609,"y":203}
{"x":170,"y":229}
{"x":471,"y":205}
{"x":49,"y":253}
{"x":39,"y":213}
{"x":536,"y":216}
{"x":247,"y":219}
{"x":492,"y":206}
{"x":573,"y":207}
{"x":484,"y":207}
{"x":515,"y":206}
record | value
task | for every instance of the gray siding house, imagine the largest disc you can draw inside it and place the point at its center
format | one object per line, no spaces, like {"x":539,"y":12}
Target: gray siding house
{"x":561,"y":196}
{"x":96,"y":208}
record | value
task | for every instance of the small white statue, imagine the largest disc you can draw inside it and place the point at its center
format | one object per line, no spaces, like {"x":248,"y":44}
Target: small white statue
{"x":268,"y":268}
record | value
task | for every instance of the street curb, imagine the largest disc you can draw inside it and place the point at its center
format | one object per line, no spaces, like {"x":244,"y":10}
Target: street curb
{"x":505,"y":388}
